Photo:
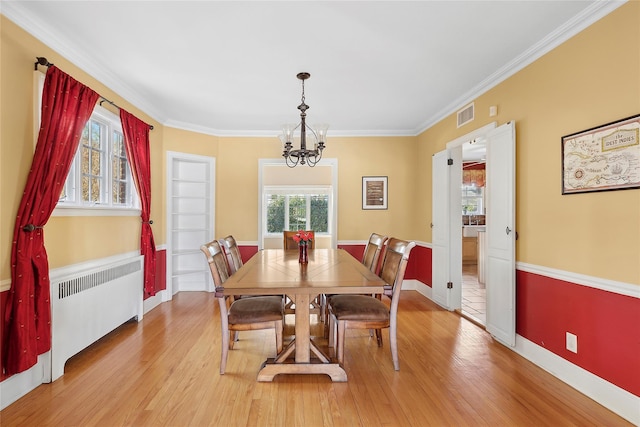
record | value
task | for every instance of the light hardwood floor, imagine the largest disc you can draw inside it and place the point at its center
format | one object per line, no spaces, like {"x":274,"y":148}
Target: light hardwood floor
{"x":164,"y":371}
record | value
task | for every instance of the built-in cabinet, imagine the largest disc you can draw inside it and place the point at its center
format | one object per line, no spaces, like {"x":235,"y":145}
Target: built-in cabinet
{"x":469,"y":250}
{"x":190,"y":221}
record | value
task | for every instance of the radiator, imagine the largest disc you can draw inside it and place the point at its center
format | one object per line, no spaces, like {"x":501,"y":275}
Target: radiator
{"x":90,"y":300}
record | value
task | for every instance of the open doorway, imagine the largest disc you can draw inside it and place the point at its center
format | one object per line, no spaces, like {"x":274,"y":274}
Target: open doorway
{"x":474,"y":298}
{"x":499,"y":256}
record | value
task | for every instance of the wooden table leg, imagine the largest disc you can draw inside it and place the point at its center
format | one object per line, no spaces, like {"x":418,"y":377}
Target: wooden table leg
{"x":302,"y":328}
{"x":303,"y":347}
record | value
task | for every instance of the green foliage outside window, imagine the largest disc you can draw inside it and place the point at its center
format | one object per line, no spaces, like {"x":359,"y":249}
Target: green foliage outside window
{"x":299,"y":219}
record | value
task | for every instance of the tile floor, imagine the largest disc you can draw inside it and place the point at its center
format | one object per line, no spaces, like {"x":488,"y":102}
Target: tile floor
{"x":473,"y":294}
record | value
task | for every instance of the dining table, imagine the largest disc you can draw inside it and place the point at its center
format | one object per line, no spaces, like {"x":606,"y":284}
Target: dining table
{"x":279,"y":272}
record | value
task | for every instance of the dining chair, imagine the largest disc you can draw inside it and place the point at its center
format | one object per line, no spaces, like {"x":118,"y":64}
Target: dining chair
{"x":366,"y":312}
{"x":289,"y":243}
{"x":373,"y":250}
{"x":232,"y":252}
{"x":370,"y":259}
{"x":245,"y":314}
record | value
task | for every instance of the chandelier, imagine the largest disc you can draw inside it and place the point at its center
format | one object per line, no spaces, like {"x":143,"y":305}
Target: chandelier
{"x":303,"y":155}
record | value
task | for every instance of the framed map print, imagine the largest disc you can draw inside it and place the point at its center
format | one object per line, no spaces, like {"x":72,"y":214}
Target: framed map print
{"x":374,"y":192}
{"x":603,"y":158}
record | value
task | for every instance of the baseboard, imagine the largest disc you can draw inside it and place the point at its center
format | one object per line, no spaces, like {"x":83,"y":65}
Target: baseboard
{"x":154,"y":301}
{"x":618,"y":400}
{"x":416,"y":285}
{"x":18,"y":385}
{"x":612,"y":397}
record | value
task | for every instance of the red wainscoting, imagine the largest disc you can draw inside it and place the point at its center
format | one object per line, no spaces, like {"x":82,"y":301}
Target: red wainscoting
{"x":161,"y":270}
{"x":418,"y":268}
{"x":246,"y":252}
{"x":607,"y":326}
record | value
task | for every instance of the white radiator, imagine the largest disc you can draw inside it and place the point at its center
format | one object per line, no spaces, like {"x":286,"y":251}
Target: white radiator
{"x":90,"y":300}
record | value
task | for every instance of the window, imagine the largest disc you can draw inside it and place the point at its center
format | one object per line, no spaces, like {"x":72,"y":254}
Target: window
{"x":472,"y":199}
{"x":100,"y":176}
{"x":296,"y":208}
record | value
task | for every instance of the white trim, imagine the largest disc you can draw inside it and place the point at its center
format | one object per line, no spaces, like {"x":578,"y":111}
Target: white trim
{"x":5,"y":285}
{"x":605,"y":393}
{"x":416,"y":285}
{"x":333,"y":220}
{"x":628,"y":289}
{"x":19,"y":385}
{"x":59,"y":273}
{"x":593,"y":13}
{"x":171,"y":156}
{"x":61,"y":210}
{"x":152,"y":302}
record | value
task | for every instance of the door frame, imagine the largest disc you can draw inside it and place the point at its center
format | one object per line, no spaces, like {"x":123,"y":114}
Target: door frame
{"x":171,"y":157}
{"x":454,"y":273}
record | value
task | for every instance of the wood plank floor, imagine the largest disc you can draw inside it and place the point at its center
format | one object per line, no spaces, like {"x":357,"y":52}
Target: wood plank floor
{"x":164,"y":371}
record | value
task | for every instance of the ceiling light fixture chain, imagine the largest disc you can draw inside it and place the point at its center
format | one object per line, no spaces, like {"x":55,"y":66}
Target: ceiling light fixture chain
{"x":303,"y":155}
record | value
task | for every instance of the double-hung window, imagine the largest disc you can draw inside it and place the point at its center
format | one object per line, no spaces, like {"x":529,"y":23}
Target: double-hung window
{"x":296,"y":208}
{"x":100,"y":176}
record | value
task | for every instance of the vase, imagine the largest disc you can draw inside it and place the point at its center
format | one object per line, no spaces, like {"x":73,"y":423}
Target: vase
{"x":303,"y":258}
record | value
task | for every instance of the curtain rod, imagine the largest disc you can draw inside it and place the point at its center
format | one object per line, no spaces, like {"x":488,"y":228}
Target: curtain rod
{"x":44,"y":62}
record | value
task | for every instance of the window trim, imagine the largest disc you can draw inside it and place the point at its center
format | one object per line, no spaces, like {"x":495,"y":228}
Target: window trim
{"x":75,"y":209}
{"x":333,"y":225}
{"x":287,"y":190}
{"x":79,"y":208}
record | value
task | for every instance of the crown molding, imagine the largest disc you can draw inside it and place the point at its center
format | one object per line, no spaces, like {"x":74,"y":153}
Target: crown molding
{"x":40,"y":30}
{"x":578,"y":23}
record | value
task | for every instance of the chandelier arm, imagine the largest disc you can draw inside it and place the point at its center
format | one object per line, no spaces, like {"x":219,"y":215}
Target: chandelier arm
{"x":303,"y":155}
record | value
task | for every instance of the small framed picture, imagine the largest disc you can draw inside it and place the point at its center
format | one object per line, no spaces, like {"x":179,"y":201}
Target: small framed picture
{"x":374,"y":192}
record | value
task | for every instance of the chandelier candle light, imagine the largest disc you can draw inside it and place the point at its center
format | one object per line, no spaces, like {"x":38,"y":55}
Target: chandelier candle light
{"x":303,"y":155}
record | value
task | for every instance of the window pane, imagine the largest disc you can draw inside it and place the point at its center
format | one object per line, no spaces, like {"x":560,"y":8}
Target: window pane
{"x":96,"y":129}
{"x":275,"y":213}
{"x":472,"y":200}
{"x":85,"y":188}
{"x":119,"y":192}
{"x":95,"y":190}
{"x":320,"y":213}
{"x":297,"y":213}
{"x":118,"y":144}
{"x":84,"y":139}
{"x":95,"y":163}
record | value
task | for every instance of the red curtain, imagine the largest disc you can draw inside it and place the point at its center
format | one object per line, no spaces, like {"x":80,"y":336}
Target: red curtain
{"x":136,"y":139}
{"x":66,"y":107}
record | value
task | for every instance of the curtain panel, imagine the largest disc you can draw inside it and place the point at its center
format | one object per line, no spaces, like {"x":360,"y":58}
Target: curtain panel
{"x":66,"y":107}
{"x":136,"y":140}
{"x":473,"y":176}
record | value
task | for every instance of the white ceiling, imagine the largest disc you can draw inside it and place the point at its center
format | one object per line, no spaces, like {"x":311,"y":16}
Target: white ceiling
{"x":229,"y":67}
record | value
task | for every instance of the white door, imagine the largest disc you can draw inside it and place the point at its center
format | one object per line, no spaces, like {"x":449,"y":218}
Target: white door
{"x":440,"y":239}
{"x":190,"y":221}
{"x":501,"y":234}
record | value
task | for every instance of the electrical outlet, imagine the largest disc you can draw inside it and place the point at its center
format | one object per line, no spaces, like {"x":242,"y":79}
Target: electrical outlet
{"x":572,"y":342}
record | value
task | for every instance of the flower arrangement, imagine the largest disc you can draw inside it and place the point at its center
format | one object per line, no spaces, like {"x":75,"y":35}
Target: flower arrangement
{"x":303,"y":237}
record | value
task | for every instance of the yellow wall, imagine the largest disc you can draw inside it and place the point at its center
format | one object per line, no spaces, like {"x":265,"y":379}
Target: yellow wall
{"x":68,"y":239}
{"x":237,"y":184}
{"x":592,"y":79}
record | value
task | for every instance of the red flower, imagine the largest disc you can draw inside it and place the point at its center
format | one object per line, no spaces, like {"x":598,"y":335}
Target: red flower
{"x":302,"y":236}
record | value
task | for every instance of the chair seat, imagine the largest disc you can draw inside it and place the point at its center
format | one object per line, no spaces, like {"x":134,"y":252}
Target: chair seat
{"x":256,"y":309}
{"x":358,"y":307}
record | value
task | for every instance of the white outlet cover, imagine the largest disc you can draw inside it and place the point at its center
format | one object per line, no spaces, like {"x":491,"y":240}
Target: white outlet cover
{"x":572,"y":342}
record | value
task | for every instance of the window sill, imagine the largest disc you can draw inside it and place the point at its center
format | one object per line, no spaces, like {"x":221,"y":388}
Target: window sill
{"x":94,"y":211}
